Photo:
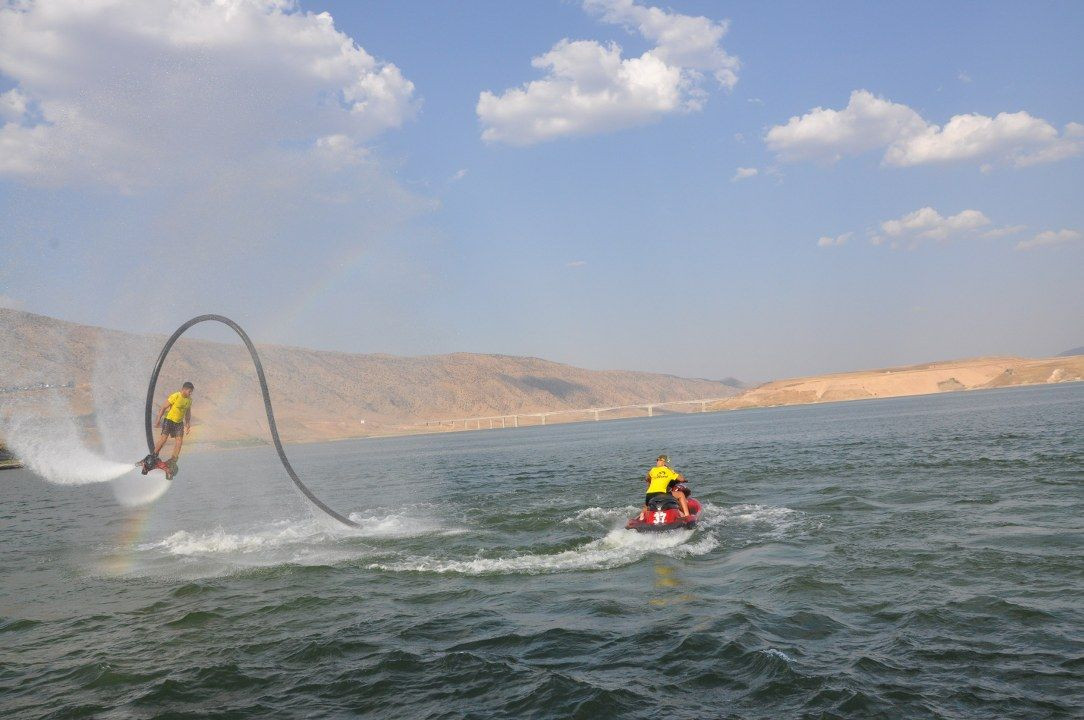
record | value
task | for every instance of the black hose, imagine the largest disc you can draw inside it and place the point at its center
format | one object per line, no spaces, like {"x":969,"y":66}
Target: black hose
{"x":266,"y":405}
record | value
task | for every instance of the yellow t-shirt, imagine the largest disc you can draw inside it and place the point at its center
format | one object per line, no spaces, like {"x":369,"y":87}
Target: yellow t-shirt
{"x":659,"y":477}
{"x":179,"y":405}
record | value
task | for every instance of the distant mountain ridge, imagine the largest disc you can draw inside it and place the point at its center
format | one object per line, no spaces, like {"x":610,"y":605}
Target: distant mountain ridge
{"x":317,"y":395}
{"x":1074,"y":351}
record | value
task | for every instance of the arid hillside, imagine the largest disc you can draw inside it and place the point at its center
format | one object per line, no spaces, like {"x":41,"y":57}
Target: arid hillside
{"x":317,"y":395}
{"x":938,"y":377}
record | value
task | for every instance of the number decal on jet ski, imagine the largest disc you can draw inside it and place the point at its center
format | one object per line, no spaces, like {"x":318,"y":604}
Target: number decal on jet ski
{"x":660,"y":518}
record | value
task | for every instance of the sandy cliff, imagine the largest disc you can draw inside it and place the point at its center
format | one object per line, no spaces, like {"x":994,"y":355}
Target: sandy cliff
{"x":949,"y":376}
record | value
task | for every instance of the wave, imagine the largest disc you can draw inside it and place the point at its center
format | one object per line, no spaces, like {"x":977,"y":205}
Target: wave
{"x":376,"y":524}
{"x":594,"y":516}
{"x":772,"y":520}
{"x":619,"y":547}
{"x":219,"y":541}
{"x":287,"y":533}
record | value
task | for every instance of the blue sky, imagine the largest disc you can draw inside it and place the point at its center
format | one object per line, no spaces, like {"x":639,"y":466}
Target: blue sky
{"x":162,"y":165}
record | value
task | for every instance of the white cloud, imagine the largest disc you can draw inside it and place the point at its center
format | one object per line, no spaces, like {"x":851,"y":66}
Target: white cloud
{"x":873,"y":123}
{"x":13,"y":106}
{"x":866,"y":123}
{"x":576,"y":263}
{"x":744,"y":172}
{"x":132,"y":93}
{"x":928,"y":224}
{"x":963,"y":77}
{"x":590,"y":88}
{"x":1050,"y":237}
{"x":1015,"y":138}
{"x":680,"y":40}
{"x":829,"y":241}
{"x":1004,"y":231}
{"x":459,"y":175}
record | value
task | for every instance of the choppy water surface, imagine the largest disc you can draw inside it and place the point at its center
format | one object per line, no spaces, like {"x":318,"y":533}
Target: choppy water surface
{"x":921,"y":557}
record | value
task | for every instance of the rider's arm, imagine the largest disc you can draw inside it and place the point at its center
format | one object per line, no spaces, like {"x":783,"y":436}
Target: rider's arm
{"x":188,"y":419}
{"x":162,"y":412}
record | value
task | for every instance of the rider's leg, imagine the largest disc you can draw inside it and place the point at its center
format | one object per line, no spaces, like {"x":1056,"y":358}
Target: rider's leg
{"x":161,"y":441}
{"x":683,"y":502}
{"x":177,"y":445}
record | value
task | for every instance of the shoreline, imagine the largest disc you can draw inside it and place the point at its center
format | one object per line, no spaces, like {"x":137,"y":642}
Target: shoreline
{"x":200,"y":447}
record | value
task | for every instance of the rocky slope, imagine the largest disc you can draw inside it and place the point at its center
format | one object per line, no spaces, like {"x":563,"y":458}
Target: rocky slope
{"x":317,"y":395}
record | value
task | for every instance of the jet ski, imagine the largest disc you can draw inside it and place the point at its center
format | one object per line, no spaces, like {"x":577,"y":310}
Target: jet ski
{"x":664,"y":513}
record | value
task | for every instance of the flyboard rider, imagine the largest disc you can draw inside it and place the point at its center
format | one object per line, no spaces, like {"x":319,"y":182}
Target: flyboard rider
{"x":175,"y":420}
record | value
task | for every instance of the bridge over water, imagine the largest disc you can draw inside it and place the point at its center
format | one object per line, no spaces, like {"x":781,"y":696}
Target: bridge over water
{"x":514,"y":420}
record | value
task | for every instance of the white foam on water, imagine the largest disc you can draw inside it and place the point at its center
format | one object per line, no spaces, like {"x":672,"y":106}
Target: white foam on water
{"x":594,"y":516}
{"x":398,"y":525}
{"x":777,"y":653}
{"x":619,"y":547}
{"x":775,"y":520}
{"x":222,"y":542}
{"x":287,"y":533}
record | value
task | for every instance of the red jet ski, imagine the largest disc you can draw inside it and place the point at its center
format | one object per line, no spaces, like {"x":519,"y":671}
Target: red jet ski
{"x":664,"y":513}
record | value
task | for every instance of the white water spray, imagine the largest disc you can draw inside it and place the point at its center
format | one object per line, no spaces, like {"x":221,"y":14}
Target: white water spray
{"x":53,"y":449}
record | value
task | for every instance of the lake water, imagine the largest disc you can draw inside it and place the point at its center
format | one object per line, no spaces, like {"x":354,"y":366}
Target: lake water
{"x":911,"y":558}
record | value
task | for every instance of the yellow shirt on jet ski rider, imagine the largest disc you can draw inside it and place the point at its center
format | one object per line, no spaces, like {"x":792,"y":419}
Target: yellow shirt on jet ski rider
{"x":659,"y":479}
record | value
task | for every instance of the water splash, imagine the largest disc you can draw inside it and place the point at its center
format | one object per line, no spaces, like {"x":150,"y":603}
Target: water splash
{"x":53,"y":449}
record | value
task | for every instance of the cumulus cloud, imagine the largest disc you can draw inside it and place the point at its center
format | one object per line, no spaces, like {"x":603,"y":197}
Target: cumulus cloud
{"x":829,"y":241}
{"x":871,"y":123}
{"x":132,"y":93}
{"x":744,"y":172}
{"x":589,"y":87}
{"x":1006,"y":231}
{"x":924,"y":224}
{"x":1050,"y":237}
{"x":927,"y":223}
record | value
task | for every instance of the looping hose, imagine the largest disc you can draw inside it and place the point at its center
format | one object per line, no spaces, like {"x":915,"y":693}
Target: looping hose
{"x":266,"y":404}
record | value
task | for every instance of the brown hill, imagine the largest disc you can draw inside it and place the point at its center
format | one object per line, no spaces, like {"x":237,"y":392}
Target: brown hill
{"x":317,"y":395}
{"x":949,"y":376}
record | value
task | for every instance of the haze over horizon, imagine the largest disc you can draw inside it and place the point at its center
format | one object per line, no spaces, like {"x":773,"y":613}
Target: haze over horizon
{"x":701,"y":189}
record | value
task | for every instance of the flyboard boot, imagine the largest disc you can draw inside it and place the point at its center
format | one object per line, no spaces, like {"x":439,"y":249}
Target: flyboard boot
{"x":148,"y":463}
{"x":153,"y":462}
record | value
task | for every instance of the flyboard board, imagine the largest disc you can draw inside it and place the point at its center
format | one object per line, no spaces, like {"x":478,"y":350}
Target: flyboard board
{"x":153,"y":462}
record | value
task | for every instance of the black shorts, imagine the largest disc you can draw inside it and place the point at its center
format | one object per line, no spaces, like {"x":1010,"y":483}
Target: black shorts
{"x":172,"y":429}
{"x":647,"y":498}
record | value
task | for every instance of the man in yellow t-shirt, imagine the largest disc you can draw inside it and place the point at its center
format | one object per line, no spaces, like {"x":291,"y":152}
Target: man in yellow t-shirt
{"x":661,"y":481}
{"x":175,"y":419}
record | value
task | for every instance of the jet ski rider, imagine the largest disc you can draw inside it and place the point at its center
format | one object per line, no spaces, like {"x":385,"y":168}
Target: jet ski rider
{"x":661,"y":481}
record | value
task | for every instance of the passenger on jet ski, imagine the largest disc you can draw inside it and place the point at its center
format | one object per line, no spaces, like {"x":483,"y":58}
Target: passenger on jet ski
{"x":661,"y":481}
